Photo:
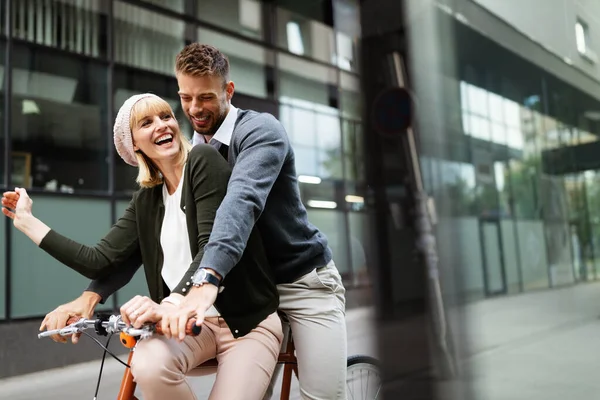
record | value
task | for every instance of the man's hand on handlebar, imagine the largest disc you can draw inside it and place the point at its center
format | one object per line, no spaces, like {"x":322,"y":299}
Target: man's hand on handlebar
{"x":81,"y":307}
{"x":194,"y":305}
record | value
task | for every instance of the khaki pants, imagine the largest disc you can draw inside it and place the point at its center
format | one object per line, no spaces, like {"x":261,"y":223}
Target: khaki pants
{"x":315,"y":307}
{"x":245,"y":365}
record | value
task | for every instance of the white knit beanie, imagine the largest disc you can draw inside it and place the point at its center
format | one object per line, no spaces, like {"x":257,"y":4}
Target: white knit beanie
{"x":122,"y":131}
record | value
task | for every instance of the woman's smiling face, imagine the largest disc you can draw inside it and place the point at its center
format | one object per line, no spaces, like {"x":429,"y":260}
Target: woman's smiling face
{"x":155,"y":130}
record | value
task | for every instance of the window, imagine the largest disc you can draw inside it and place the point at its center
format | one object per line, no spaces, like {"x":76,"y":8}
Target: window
{"x":145,"y":39}
{"x":240,"y":16}
{"x":59,"y":121}
{"x":581,"y":35}
{"x":304,"y":80}
{"x":490,"y":117}
{"x":350,"y":96}
{"x":345,"y":48}
{"x":77,"y":27}
{"x":306,"y":37}
{"x":250,"y":15}
{"x":582,"y":38}
{"x":315,"y":133}
{"x":353,"y":151}
{"x":294,"y":38}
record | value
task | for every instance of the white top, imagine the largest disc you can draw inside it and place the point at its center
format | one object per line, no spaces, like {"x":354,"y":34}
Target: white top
{"x":174,"y":240}
{"x":223,"y":134}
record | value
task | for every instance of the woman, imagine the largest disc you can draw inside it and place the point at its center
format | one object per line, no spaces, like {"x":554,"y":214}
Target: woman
{"x":167,"y":224}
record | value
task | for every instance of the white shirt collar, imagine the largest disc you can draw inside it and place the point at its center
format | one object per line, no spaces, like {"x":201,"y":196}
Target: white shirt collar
{"x":223,"y":134}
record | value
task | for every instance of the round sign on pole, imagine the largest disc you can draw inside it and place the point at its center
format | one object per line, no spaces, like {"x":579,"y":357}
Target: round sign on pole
{"x":393,"y":111}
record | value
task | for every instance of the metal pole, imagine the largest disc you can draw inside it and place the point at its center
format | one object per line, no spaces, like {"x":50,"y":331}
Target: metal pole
{"x":8,"y":147}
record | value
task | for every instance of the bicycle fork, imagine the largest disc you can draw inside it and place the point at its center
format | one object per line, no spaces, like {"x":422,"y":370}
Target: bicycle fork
{"x":127,"y":389}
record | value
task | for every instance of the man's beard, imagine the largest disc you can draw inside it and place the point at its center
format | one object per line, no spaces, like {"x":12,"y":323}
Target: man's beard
{"x":210,"y":130}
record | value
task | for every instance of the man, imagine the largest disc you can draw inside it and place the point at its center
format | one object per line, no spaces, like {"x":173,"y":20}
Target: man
{"x":263,"y":190}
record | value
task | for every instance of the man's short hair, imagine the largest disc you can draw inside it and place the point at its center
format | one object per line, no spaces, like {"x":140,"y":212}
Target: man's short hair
{"x":198,"y":59}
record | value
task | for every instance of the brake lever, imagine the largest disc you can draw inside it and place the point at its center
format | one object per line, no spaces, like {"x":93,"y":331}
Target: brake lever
{"x":62,"y":332}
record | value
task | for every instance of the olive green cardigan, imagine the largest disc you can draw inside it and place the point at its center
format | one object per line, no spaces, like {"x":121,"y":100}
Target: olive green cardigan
{"x":250,"y":294}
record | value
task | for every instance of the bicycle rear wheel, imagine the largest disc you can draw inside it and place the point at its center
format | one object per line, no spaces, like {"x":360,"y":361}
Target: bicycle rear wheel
{"x":363,"y":381}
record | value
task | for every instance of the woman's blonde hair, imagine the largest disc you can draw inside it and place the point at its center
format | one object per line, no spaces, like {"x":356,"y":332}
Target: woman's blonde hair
{"x":148,"y":173}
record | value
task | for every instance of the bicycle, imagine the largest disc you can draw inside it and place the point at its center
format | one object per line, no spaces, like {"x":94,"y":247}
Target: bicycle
{"x":129,"y":336}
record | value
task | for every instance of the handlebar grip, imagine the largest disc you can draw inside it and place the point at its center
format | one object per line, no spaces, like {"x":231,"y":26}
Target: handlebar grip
{"x":191,"y":329}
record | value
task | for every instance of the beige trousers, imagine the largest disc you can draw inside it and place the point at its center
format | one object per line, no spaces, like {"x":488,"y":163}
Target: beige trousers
{"x":315,"y":307}
{"x":246,"y":364}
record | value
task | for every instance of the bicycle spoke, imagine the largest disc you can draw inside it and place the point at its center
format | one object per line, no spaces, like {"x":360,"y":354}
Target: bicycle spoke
{"x":361,"y":385}
{"x":377,"y":394}
{"x":367,"y":389}
{"x":349,"y":388}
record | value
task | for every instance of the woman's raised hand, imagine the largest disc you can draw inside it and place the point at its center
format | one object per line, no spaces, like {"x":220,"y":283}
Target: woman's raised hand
{"x":16,"y":205}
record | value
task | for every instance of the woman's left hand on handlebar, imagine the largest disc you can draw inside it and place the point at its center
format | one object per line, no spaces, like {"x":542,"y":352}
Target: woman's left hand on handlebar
{"x":141,"y":310}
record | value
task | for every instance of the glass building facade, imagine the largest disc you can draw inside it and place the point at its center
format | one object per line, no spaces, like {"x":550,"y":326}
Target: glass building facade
{"x":67,"y":66}
{"x":517,"y":177}
{"x":507,"y":100}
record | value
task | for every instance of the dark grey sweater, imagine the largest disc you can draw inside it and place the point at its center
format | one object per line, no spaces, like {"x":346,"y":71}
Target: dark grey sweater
{"x":262,"y":190}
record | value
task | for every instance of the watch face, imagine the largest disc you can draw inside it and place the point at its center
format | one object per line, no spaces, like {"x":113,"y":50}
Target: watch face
{"x":200,"y":276}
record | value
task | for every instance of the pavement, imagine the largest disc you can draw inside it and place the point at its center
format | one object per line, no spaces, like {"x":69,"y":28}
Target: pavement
{"x":541,"y":345}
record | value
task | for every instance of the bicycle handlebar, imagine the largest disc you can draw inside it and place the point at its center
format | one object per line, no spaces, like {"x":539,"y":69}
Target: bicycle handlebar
{"x":114,"y":325}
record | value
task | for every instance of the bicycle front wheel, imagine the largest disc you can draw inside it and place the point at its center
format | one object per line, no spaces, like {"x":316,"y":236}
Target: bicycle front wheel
{"x":363,"y":381}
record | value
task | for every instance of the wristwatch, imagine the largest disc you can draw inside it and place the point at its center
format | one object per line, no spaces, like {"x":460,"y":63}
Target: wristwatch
{"x":202,"y":276}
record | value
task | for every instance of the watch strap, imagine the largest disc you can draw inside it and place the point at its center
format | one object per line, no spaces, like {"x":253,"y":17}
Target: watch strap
{"x":208,"y":278}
